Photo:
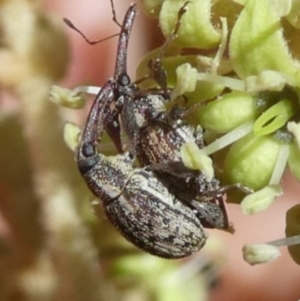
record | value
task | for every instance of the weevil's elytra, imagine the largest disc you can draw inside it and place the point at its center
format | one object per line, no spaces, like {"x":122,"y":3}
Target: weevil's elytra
{"x":153,"y":220}
{"x":134,"y":199}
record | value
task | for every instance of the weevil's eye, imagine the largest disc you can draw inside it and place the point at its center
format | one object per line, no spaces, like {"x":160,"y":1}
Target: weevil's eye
{"x":124,"y":79}
{"x":88,"y":149}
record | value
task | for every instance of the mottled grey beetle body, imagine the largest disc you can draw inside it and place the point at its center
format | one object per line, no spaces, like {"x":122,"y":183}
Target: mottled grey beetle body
{"x":155,"y":137}
{"x":144,"y":211}
{"x":162,"y":206}
{"x":150,"y":217}
{"x":134,"y":199}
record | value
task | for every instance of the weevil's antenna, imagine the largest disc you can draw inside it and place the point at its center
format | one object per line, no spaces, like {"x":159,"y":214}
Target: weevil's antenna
{"x":71,"y":25}
{"x":157,"y":71}
{"x":114,"y":13}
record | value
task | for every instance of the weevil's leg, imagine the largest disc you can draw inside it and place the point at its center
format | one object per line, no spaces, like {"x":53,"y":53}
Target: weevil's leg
{"x":238,"y":186}
{"x":158,"y":73}
{"x":87,"y":153}
{"x":211,"y":215}
{"x":209,"y":207}
{"x":111,"y":122}
{"x":173,"y":168}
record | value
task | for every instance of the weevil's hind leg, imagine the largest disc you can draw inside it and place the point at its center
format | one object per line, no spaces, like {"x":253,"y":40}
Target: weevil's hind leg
{"x":211,"y":215}
{"x":158,"y":73}
{"x":237,"y":186}
{"x":87,"y":153}
{"x":112,"y":124}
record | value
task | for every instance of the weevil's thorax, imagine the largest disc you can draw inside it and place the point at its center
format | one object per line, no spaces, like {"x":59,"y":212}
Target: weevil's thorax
{"x":109,"y":176}
{"x":139,"y":111}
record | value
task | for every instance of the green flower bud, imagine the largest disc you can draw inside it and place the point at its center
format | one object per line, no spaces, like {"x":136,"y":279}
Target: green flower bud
{"x":261,"y":199}
{"x":255,"y":254}
{"x":196,"y":29}
{"x":293,"y":228}
{"x":265,"y":80}
{"x":194,"y":158}
{"x":294,"y":128}
{"x":71,"y":135}
{"x":186,"y":80}
{"x":251,"y":161}
{"x":294,"y":161}
{"x":228,"y":112}
{"x":257,"y":42}
{"x":66,"y":98}
{"x":164,"y":280}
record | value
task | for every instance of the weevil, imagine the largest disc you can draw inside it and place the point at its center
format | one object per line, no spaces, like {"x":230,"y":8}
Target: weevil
{"x":135,"y":199}
{"x":156,"y":136}
{"x":162,"y":206}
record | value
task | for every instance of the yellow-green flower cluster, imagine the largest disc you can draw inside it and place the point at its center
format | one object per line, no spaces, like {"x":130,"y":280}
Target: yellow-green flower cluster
{"x":242,"y":59}
{"x":246,"y":73}
{"x":238,"y":59}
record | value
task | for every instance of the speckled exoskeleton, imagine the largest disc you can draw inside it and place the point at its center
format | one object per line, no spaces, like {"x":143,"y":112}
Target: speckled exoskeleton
{"x":156,"y":135}
{"x":162,"y":206}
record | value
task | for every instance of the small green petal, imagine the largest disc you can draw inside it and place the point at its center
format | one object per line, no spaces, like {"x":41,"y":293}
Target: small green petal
{"x":294,"y":128}
{"x":257,"y":42}
{"x":256,"y":254}
{"x":66,"y":98}
{"x":71,"y":135}
{"x":294,"y":161}
{"x":293,"y":228}
{"x":186,"y":80}
{"x":265,"y":80}
{"x":196,"y":29}
{"x":261,"y":199}
{"x":239,"y":106}
{"x":251,"y":161}
{"x":274,"y":118}
{"x":194,"y":158}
